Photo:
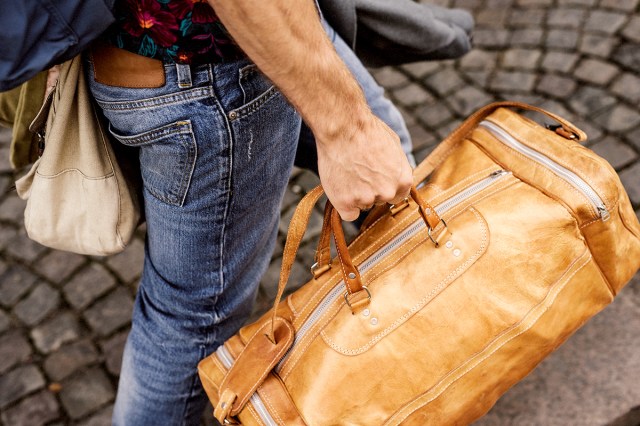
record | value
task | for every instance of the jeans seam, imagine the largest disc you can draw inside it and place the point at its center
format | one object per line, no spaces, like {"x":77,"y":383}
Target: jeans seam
{"x":161,"y":100}
{"x":253,"y":106}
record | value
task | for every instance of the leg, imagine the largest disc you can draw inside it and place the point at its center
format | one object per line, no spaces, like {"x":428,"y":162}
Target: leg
{"x":212,"y":188}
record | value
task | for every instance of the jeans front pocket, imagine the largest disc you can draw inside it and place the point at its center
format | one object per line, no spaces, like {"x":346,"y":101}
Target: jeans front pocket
{"x":167,"y":159}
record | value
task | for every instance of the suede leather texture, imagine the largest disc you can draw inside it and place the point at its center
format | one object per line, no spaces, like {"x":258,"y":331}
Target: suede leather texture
{"x":527,"y":260}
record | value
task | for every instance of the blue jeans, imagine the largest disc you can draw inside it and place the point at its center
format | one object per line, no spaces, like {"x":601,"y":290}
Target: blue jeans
{"x":216,"y":146}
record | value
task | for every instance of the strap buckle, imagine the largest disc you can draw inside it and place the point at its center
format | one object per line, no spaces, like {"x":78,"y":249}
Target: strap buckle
{"x":430,"y":233}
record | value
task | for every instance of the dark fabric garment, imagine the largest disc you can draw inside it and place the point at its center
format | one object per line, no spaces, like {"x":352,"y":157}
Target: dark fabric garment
{"x":173,"y":31}
{"x":384,"y":32}
{"x":37,"y":34}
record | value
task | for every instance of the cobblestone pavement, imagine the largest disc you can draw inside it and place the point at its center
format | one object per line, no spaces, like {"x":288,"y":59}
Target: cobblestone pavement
{"x":64,"y":317}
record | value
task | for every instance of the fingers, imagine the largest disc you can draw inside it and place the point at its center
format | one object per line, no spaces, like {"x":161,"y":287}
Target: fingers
{"x":348,"y":214}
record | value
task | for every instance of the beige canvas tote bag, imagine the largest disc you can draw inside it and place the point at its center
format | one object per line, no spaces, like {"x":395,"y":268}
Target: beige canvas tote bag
{"x":77,"y":196}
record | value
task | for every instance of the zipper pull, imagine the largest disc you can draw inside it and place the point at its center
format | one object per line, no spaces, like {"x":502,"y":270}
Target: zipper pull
{"x":604,"y":213}
{"x":498,"y":173}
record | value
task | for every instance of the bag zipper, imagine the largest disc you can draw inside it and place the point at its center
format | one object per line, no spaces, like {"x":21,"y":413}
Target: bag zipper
{"x":225,"y":357}
{"x":564,"y":173}
{"x":375,"y":258}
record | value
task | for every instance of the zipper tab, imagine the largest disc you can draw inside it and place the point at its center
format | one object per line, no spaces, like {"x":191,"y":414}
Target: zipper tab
{"x":604,"y":213}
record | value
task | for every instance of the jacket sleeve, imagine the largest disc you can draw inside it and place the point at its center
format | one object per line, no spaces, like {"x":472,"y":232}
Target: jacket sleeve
{"x":37,"y":34}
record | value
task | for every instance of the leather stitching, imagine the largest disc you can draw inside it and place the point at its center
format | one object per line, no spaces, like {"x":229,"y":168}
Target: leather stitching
{"x":265,"y":398}
{"x":525,"y":328}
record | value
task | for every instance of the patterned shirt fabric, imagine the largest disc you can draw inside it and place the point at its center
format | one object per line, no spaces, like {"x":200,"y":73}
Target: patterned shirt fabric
{"x":182,"y":31}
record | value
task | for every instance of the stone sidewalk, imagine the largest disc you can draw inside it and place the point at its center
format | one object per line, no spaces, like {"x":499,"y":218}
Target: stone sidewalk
{"x":64,"y":317}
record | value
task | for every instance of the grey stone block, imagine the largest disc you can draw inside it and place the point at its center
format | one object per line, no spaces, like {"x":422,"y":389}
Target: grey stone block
{"x":620,"y":118}
{"x":633,"y":138}
{"x":491,"y":38}
{"x":86,"y":393}
{"x":625,"y":5}
{"x":631,"y":180}
{"x":526,"y":3}
{"x":628,"y":55}
{"x":562,"y":39}
{"x":69,"y":359}
{"x":615,"y":152}
{"x":37,"y":305}
{"x":433,"y":115}
{"x":390,"y":77}
{"x":7,"y":234}
{"x":36,"y":410}
{"x":556,"y":86}
{"x":596,"y":71}
{"x":589,"y":100}
{"x":478,"y":59}
{"x":513,"y":81}
{"x":18,"y":383}
{"x":598,"y":45}
{"x":632,"y":29}
{"x":420,"y":137}
{"x":627,"y":87}
{"x":5,"y":322}
{"x":112,"y":350}
{"x":419,"y":70}
{"x":101,"y":418}
{"x":128,"y":264}
{"x":565,"y":17}
{"x":526,"y":59}
{"x":494,"y":18}
{"x":110,"y":313}
{"x":14,"y":283}
{"x":527,"y":37}
{"x":57,"y":265}
{"x":526,"y":17}
{"x":467,"y":100}
{"x":89,"y":284}
{"x":605,"y":21}
{"x":14,"y":349}
{"x":49,"y":336}
{"x":12,"y":209}
{"x":411,"y":95}
{"x":559,"y":61}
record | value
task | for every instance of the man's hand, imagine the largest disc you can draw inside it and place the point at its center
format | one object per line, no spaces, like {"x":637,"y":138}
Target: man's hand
{"x":359,"y":157}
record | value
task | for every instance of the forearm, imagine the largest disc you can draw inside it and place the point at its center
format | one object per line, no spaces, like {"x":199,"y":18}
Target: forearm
{"x":287,"y":42}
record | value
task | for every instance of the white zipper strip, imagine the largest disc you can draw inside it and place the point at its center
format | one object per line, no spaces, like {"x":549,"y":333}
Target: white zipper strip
{"x":376,"y":257}
{"x":226,"y":359}
{"x":576,"y":181}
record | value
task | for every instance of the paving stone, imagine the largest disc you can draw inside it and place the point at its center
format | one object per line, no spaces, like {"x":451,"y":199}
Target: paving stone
{"x":634,"y":138}
{"x":628,"y":55}
{"x":22,"y":247}
{"x":14,"y":349}
{"x":593,"y":131}
{"x":618,"y":119}
{"x":36,"y":410}
{"x":480,"y":78}
{"x":521,"y":58}
{"x":58,"y":265}
{"x":7,"y":233}
{"x":86,"y":286}
{"x":615,"y":152}
{"x":565,"y":18}
{"x":5,"y":183}
{"x":412,"y":95}
{"x":631,"y":181}
{"x":113,"y":349}
{"x":467,"y":4}
{"x":478,"y":59}
{"x":513,"y":81}
{"x":103,"y":417}
{"x":421,"y":137}
{"x":37,"y":305}
{"x":5,"y":322}
{"x":128,"y":264}
{"x":69,"y":359}
{"x":562,"y":39}
{"x":590,"y":100}
{"x":490,"y":38}
{"x":627,"y":87}
{"x":596,"y":71}
{"x":604,"y":21}
{"x":86,"y":392}
{"x":556,"y":86}
{"x":582,"y":3}
{"x":597,"y":45}
{"x":559,"y":61}
{"x":18,"y":383}
{"x":307,"y":181}
{"x":493,"y":18}
{"x":527,"y":17}
{"x":14,"y":283}
{"x":467,"y":100}
{"x":420,"y":69}
{"x":632,"y":29}
{"x":110,"y":313}
{"x":12,"y":209}
{"x":534,"y":2}
{"x":433,"y":115}
{"x":527,"y":37}
{"x":444,"y":131}
{"x":390,"y":77}
{"x":51,"y":335}
{"x":626,"y":5}
{"x":313,"y":228}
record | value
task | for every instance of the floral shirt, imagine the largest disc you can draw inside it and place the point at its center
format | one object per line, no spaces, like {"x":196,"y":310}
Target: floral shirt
{"x":183,"y":31}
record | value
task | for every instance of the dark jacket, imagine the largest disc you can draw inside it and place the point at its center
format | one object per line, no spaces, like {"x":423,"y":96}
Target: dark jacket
{"x":37,"y":34}
{"x":393,"y":32}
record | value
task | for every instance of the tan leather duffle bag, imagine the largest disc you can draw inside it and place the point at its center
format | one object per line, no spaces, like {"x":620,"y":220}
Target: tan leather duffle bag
{"x":441,"y":304}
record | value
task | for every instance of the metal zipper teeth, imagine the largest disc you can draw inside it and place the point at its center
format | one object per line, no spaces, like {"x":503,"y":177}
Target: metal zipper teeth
{"x":372,"y":260}
{"x":226,"y":359}
{"x":576,"y":181}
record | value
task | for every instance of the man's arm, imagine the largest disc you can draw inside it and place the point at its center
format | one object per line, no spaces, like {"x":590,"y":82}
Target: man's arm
{"x":360,"y":160}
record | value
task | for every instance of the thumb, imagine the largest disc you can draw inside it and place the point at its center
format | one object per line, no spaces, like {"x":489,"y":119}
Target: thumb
{"x":348,"y":214}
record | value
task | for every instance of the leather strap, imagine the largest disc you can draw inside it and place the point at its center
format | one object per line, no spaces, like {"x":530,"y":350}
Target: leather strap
{"x":323,"y":252}
{"x":424,"y":169}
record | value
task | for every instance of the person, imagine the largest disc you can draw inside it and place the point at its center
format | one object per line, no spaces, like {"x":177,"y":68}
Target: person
{"x":216,"y":121}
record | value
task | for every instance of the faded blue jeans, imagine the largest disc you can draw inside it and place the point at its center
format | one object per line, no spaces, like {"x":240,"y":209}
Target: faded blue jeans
{"x":217,"y":144}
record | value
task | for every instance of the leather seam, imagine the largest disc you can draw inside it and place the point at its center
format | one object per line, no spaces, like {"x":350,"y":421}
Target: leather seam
{"x":514,"y":327}
{"x":267,"y":401}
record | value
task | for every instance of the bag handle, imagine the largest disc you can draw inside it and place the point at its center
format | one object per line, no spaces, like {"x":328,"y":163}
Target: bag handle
{"x":424,"y":169}
{"x":357,"y":295}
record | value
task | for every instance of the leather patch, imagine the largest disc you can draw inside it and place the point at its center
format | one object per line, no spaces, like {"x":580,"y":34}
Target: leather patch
{"x":121,"y":68}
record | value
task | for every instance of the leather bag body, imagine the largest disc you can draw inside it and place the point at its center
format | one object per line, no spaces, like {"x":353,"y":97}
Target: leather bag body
{"x":518,"y":236}
{"x":78,"y":198}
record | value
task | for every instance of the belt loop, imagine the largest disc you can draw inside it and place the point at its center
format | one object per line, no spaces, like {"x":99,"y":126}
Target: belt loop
{"x":184,"y":76}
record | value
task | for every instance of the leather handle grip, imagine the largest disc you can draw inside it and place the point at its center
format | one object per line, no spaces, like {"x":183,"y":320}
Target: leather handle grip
{"x":425,"y":168}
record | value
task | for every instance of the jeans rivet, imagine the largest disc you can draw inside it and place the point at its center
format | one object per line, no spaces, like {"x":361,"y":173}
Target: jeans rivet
{"x":233,"y":115}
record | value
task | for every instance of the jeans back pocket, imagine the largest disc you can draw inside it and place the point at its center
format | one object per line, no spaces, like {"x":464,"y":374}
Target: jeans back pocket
{"x":167,"y":159}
